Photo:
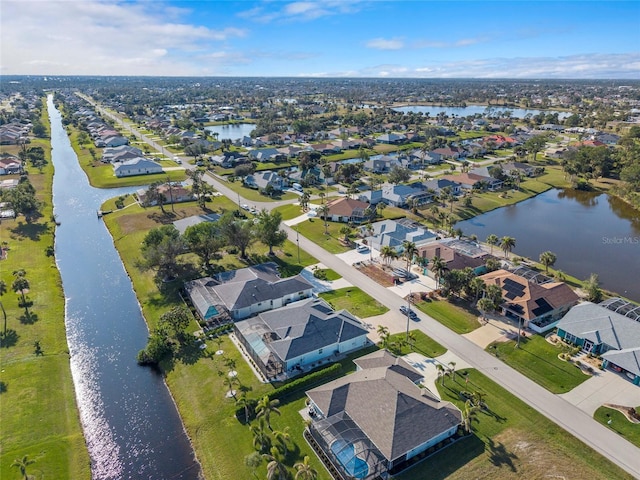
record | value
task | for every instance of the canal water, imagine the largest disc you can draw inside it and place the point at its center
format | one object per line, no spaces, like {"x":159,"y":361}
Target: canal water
{"x":588,"y":232}
{"x":232,"y":131}
{"x":131,"y":425}
{"x":433,"y":111}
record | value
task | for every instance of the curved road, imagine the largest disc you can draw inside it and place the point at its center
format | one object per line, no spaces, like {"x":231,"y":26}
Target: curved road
{"x":564,"y":414}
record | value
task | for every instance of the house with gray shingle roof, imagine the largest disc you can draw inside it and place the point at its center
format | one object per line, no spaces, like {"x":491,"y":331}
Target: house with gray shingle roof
{"x":136,"y":166}
{"x":245,"y":292}
{"x":290,"y":339}
{"x":378,"y":418}
{"x":600,"y":331}
{"x":394,"y":232}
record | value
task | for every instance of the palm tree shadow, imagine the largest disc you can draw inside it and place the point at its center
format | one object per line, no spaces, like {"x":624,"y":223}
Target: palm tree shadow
{"x":9,"y":339}
{"x":29,"y":319}
{"x":499,"y":456}
{"x":3,"y":387}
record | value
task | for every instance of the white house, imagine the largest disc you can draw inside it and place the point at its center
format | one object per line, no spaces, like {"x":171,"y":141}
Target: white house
{"x":136,"y":166}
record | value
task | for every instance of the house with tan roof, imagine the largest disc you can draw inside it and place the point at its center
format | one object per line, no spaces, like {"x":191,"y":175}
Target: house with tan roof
{"x":348,"y":210}
{"x":377,"y":419}
{"x":538,"y":306}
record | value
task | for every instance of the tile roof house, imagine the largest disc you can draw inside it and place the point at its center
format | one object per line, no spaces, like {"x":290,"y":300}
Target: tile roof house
{"x":455,"y":258}
{"x":394,"y":232}
{"x":377,"y":418}
{"x":172,"y":194}
{"x":539,"y":307}
{"x":600,"y":331}
{"x":292,"y":338}
{"x":10,"y":164}
{"x":348,"y":210}
{"x":473,"y":180}
{"x":245,"y":292}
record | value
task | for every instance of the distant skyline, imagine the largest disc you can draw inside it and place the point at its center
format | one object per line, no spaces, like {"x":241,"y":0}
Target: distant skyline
{"x":330,"y":38}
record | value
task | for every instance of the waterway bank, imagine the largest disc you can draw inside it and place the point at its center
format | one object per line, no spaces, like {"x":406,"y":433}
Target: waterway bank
{"x":39,"y":415}
{"x":131,"y":425}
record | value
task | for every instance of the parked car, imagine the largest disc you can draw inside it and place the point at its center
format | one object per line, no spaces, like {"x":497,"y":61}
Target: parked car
{"x":404,"y":309}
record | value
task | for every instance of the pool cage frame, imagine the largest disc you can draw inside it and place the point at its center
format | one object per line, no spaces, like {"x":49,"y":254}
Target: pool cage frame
{"x":326,"y":431}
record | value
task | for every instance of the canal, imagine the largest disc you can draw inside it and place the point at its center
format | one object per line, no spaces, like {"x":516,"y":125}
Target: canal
{"x":131,"y":425}
{"x":589,"y":233}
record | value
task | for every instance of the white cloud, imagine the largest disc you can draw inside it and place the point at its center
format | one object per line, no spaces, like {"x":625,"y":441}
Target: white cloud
{"x":385,"y":44}
{"x":93,"y":37}
{"x":300,"y":11}
{"x":463,"y":42}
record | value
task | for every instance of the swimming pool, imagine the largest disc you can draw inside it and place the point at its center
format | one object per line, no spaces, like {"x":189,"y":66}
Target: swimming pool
{"x":345,"y":453}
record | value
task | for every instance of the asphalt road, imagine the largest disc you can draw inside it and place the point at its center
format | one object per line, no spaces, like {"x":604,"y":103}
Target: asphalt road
{"x":564,"y":414}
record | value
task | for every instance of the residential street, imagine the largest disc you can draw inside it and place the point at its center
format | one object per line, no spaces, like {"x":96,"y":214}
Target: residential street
{"x":554,"y":407}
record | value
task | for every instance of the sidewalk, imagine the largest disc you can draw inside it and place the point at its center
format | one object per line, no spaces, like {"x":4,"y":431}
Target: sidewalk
{"x":320,"y":286}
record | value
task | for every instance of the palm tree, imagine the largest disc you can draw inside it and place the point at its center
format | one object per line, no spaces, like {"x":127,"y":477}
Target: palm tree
{"x":283,"y":440}
{"x":492,"y":240}
{"x":304,"y":201}
{"x":387,"y":253}
{"x":507,"y":244}
{"x":410,"y":250}
{"x":468,"y":414}
{"x":247,"y":405}
{"x":230,"y":382}
{"x":494,"y":293}
{"x":380,"y":206}
{"x":485,"y":305}
{"x":22,"y":464}
{"x":3,"y":290}
{"x":383,"y":333}
{"x":438,"y":267}
{"x":547,"y":259}
{"x":452,"y":369}
{"x":322,"y":195}
{"x":276,"y":468}
{"x":346,"y":231}
{"x":304,"y":471}
{"x":261,"y":438}
{"x":476,"y":286}
{"x":20,"y":285}
{"x":266,"y":407}
{"x":324,"y":213}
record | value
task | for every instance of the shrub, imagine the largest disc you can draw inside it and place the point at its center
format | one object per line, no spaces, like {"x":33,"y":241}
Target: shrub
{"x":306,"y":381}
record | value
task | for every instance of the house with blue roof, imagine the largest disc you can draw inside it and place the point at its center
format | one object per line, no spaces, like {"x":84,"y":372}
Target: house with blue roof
{"x":600,"y":331}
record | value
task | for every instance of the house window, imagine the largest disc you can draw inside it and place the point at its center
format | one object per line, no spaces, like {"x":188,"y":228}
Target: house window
{"x":319,"y":351}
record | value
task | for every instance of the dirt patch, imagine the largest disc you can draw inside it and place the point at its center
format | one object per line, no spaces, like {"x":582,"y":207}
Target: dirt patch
{"x":374,"y":272}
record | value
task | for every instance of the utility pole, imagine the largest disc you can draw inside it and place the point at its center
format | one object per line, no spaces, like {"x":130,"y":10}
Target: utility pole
{"x":408,"y":313}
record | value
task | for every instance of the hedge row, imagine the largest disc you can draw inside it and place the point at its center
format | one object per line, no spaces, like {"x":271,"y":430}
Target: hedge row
{"x":306,"y":381}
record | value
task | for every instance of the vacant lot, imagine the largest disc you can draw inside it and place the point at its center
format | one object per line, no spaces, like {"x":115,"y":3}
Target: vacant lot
{"x":538,"y":359}
{"x":355,"y":301}
{"x":459,"y":317}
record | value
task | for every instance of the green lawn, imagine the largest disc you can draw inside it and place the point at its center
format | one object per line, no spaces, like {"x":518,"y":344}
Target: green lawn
{"x":538,"y":360}
{"x":460,"y":318}
{"x":330,"y":275}
{"x":101,"y":175}
{"x":510,"y":441}
{"x":290,"y":211}
{"x":355,"y":301}
{"x":38,"y":413}
{"x":314,"y":230}
{"x":253,"y":195}
{"x":619,"y":424}
{"x":423,"y":344}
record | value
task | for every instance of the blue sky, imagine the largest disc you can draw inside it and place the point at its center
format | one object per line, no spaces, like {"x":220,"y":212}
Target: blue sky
{"x":331,"y":38}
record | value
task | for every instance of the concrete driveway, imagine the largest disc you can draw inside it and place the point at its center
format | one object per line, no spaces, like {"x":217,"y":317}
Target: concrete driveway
{"x":320,"y":286}
{"x":604,"y":387}
{"x":427,"y":366}
{"x":495,"y":330}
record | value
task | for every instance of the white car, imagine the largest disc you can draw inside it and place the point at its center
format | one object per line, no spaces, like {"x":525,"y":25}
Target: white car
{"x":362,"y":248}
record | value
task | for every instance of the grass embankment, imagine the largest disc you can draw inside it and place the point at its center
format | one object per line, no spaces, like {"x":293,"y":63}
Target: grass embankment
{"x":511,"y":440}
{"x":38,"y":412}
{"x":196,"y":376}
{"x":101,"y":175}
{"x":355,"y":301}
{"x":538,"y":360}
{"x":459,"y":318}
{"x":619,"y":423}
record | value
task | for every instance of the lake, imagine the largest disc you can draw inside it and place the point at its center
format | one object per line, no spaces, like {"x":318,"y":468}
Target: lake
{"x":233,"y":131}
{"x":131,"y":425}
{"x":589,"y":233}
{"x":473,"y":110}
